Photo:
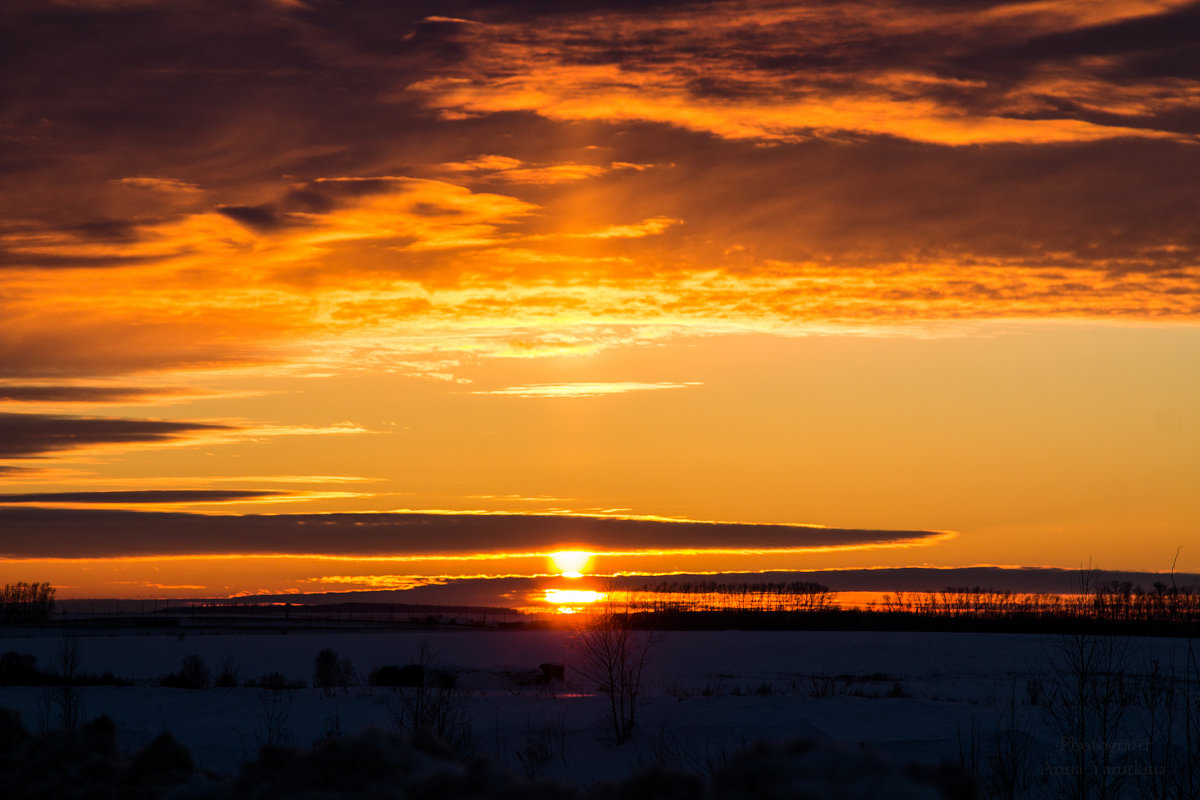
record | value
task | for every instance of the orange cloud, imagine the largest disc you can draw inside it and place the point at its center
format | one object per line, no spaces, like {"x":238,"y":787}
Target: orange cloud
{"x":607,"y":93}
{"x":925,"y":164}
{"x":168,"y":185}
{"x":513,"y":170}
{"x":723,"y":74}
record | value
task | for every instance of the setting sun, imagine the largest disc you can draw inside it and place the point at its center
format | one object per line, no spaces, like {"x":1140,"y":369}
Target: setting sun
{"x":571,"y":563}
{"x":570,"y":601}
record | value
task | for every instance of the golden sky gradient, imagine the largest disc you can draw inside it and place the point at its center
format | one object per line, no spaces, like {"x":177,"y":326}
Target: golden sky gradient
{"x":895,"y":267}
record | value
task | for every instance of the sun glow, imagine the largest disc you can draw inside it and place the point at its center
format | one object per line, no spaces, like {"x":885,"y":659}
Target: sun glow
{"x":571,"y":563}
{"x":572,"y":598}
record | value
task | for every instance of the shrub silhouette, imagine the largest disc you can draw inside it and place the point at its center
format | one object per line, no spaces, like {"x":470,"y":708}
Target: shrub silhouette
{"x":424,"y":703}
{"x":331,"y":672}
{"x":275,"y":681}
{"x":13,"y":734}
{"x":410,"y":675}
{"x":227,"y":678}
{"x":552,"y":672}
{"x":162,"y":763}
{"x":193,"y":674}
{"x":19,"y":669}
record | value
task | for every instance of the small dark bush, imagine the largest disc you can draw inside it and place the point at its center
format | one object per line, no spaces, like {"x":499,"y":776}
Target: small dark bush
{"x":412,"y":675}
{"x":19,"y":669}
{"x":13,"y":733}
{"x":331,"y":672}
{"x":193,"y":674}
{"x":382,"y":676}
{"x":276,"y":682}
{"x":227,"y":678}
{"x":349,"y":674}
{"x":109,"y":679}
{"x":164,"y":762}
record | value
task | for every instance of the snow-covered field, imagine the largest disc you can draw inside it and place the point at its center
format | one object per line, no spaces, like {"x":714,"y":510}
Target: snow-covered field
{"x":913,"y":696}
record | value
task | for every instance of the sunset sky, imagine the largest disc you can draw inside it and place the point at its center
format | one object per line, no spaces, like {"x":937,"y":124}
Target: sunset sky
{"x":875,"y":283}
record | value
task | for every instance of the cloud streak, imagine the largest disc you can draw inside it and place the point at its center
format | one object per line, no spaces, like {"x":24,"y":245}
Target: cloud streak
{"x":512,"y":170}
{"x":136,"y":496}
{"x":54,"y":533}
{"x":33,"y":435}
{"x":596,"y":389}
{"x":92,"y":395}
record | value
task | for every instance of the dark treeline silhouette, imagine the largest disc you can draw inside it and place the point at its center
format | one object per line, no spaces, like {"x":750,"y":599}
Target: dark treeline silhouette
{"x":1114,"y":606}
{"x":715,"y":596}
{"x":1113,"y":601}
{"x":26,"y":602}
{"x":1117,"y":606}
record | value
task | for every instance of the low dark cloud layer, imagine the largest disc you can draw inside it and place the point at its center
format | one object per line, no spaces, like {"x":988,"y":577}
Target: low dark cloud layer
{"x":31,"y":435}
{"x":142,"y":496}
{"x":77,"y":394}
{"x":53,"y":533}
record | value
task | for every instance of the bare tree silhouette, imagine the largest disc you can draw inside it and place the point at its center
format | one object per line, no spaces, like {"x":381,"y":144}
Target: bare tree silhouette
{"x":612,"y":654}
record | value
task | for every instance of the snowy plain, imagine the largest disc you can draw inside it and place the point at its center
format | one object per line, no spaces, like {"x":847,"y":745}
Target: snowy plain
{"x":914,"y":697}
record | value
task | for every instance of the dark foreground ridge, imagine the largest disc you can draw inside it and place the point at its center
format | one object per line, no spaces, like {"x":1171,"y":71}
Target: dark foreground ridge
{"x":85,"y":763}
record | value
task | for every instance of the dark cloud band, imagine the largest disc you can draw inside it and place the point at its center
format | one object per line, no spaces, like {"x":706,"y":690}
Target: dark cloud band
{"x":53,"y":533}
{"x":142,"y":496}
{"x":76,"y":394}
{"x":31,"y":435}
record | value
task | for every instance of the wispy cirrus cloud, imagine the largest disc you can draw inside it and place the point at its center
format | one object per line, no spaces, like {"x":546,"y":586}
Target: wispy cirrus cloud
{"x":513,"y":170}
{"x":584,"y":389}
{"x":520,"y":498}
{"x":157,"y":184}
